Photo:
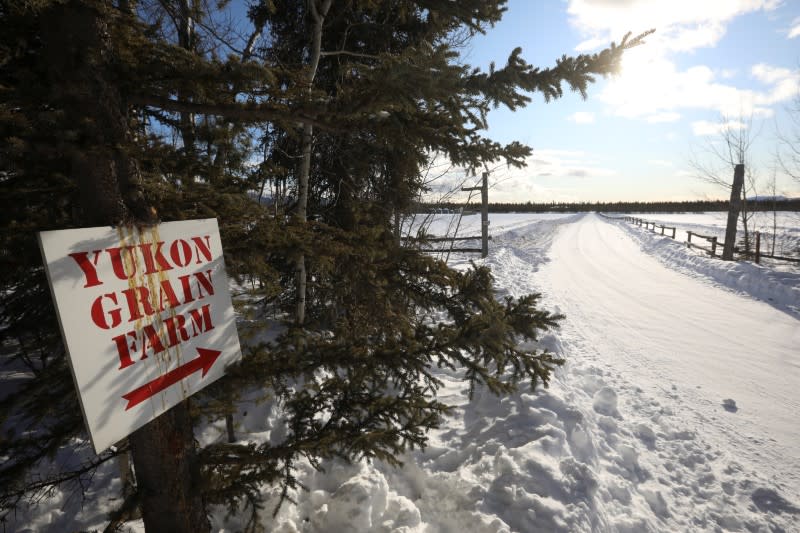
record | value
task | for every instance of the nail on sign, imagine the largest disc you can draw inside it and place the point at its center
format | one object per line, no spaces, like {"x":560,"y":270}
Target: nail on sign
{"x":146,"y":317}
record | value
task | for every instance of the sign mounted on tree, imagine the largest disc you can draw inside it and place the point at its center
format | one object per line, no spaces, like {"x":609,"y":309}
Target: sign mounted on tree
{"x":146,"y":317}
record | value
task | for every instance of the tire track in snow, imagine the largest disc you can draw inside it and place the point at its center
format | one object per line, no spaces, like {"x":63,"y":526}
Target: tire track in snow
{"x":666,"y":452}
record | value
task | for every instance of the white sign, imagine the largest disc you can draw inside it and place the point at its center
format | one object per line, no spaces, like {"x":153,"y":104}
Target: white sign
{"x":146,"y":317}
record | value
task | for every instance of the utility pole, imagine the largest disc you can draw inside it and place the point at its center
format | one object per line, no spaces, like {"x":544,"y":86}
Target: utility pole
{"x":485,"y":215}
{"x":484,"y":188}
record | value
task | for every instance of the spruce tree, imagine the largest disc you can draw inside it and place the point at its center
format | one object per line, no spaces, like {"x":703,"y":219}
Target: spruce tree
{"x":196,"y":122}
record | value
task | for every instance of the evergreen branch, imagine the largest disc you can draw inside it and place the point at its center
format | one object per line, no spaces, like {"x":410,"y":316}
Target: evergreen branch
{"x":245,"y":112}
{"x":11,"y":496}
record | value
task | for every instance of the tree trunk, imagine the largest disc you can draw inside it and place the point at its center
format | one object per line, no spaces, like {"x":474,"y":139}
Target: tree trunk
{"x":733,"y":212}
{"x":307,"y":141}
{"x":76,"y":38}
{"x":168,"y":474}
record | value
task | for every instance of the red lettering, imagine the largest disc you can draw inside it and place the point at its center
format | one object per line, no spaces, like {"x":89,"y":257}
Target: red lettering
{"x":204,"y":279}
{"x":134,"y":309}
{"x":99,"y":314}
{"x":119,"y":264}
{"x":202,"y":248}
{"x":88,"y":267}
{"x":187,"y":290}
{"x":124,"y":348}
{"x":176,"y":325}
{"x":199,"y":318}
{"x":149,"y":335}
{"x":154,"y":263}
{"x":180,"y":252}
{"x":148,"y":341}
{"x":169,"y":294}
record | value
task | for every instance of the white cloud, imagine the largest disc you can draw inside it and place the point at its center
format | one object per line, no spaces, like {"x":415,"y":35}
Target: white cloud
{"x":794,"y":31}
{"x":660,"y":162}
{"x":590,"y":45}
{"x":582,"y":117}
{"x":704,"y":127}
{"x":546,"y":170}
{"x":650,"y":86}
{"x":682,"y":25}
{"x":769,"y":74}
{"x":653,"y":88}
{"x":665,"y":116}
{"x":564,"y":164}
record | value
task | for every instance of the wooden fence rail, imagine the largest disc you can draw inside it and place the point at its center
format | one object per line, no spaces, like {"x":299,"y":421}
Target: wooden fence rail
{"x":714,"y":243}
{"x":648,"y":223}
{"x":710,"y":238}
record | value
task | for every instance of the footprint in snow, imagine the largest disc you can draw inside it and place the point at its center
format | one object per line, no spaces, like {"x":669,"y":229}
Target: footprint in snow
{"x":729,"y":405}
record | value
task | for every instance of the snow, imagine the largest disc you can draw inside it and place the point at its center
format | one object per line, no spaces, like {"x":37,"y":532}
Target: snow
{"x":785,"y":225}
{"x":677,"y":409}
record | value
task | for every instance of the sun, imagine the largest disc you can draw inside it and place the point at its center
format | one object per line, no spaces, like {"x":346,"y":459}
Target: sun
{"x":641,"y":86}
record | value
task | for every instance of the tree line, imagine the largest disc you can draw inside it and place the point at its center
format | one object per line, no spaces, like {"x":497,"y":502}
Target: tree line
{"x":687,"y":206}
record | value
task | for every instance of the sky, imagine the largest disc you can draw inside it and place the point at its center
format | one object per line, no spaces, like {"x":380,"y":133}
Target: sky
{"x":640,"y":134}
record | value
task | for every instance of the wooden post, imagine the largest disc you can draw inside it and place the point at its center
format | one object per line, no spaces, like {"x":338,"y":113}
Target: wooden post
{"x":484,"y":188}
{"x":673,"y":233}
{"x":689,"y":237}
{"x":733,"y":212}
{"x":758,"y":247}
{"x":485,"y":215}
{"x":713,"y":246}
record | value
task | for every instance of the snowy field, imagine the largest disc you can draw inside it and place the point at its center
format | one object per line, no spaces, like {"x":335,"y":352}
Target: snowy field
{"x":677,"y":410}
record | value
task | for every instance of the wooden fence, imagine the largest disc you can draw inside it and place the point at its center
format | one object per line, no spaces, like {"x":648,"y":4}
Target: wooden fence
{"x":647,"y":223}
{"x":713,"y":243}
{"x":712,"y":249}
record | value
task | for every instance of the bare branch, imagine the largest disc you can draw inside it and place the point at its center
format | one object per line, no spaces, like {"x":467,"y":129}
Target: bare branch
{"x":347,"y":53}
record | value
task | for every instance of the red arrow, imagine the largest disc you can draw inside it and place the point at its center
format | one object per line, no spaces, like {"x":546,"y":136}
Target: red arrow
{"x":204,"y":361}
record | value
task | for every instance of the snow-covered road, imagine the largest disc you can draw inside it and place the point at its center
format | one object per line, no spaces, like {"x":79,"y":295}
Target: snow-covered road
{"x":656,"y":354}
{"x":662,"y":328}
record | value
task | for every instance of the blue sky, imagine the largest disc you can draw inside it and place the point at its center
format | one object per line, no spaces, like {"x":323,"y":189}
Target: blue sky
{"x":636,"y":134}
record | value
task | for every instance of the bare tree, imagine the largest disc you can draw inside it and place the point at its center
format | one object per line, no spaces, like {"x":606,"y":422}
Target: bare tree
{"x":732,"y":145}
{"x":788,"y":153}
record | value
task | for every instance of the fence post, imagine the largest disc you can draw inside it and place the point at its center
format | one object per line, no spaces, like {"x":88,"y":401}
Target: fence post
{"x":673,"y":233}
{"x":485,"y":215}
{"x":713,"y":246}
{"x":689,"y":235}
{"x":758,"y":247}
{"x":662,"y":229}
